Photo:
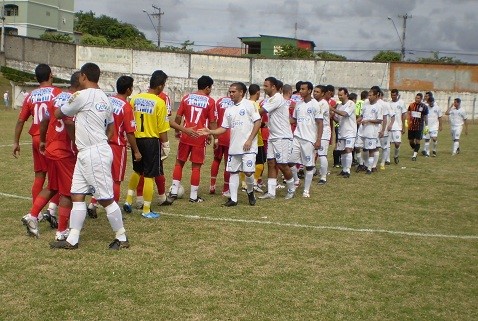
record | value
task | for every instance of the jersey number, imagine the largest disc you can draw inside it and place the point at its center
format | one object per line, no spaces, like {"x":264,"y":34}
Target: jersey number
{"x":38,"y":111}
{"x":141,"y":127}
{"x":60,"y":125}
{"x":195,"y":118}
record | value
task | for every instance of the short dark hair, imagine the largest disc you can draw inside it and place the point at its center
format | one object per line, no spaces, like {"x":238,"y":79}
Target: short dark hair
{"x":345,"y":90}
{"x":330,"y":88}
{"x":123,"y":84}
{"x":273,"y":81}
{"x":429,"y":93}
{"x":375,"y":90}
{"x":420,"y":95}
{"x":394,"y":91}
{"x":204,"y":82}
{"x":308,"y":83}
{"x":280,"y":84}
{"x":75,"y":79}
{"x":353,"y":96}
{"x":364,"y":94}
{"x":91,"y":71}
{"x":298,"y":84}
{"x":158,"y":78}
{"x":322,"y":88}
{"x":42,"y":72}
{"x":241,"y":86}
{"x":458,"y":100}
{"x":287,"y":88}
{"x":254,"y":89}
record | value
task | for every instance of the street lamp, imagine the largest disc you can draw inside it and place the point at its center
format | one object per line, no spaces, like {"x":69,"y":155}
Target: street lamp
{"x":155,"y":30}
{"x":402,"y":43}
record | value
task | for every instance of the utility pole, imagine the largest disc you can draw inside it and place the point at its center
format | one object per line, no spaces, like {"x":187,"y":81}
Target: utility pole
{"x":404,"y":32}
{"x":158,"y":15}
{"x":2,"y":36}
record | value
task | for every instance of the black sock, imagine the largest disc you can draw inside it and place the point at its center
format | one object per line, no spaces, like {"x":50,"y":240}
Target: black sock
{"x":417,"y":147}
{"x":412,"y":145}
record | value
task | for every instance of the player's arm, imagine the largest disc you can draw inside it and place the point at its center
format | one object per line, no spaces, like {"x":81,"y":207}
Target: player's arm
{"x":255,"y":130}
{"x":110,"y":129}
{"x":134,"y":147}
{"x":43,"y":129}
{"x":448,"y":110}
{"x":16,"y":138}
{"x":439,"y":124}
{"x":70,"y":128}
{"x":404,"y":118}
{"x":216,"y":131}
{"x":320,"y":130}
{"x":466,"y":127}
{"x":392,"y":121}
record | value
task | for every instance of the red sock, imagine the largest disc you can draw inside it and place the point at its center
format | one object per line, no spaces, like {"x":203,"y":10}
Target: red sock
{"x":195,"y":176}
{"x":116,"y":190}
{"x":55,"y":199}
{"x":161,"y":184}
{"x":214,"y":170}
{"x":226,"y":181}
{"x":37,"y":186}
{"x":139,"y":189}
{"x":38,"y":204}
{"x":63,"y":217}
{"x":178,"y":172}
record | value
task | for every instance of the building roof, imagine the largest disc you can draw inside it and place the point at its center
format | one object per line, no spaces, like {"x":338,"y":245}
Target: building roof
{"x":278,"y":37}
{"x":224,"y":51}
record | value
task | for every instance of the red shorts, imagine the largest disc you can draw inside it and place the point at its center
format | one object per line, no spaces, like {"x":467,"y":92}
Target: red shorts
{"x":221,"y":151}
{"x":118,"y":167}
{"x":60,"y":173}
{"x":39,"y":160}
{"x":196,"y":154}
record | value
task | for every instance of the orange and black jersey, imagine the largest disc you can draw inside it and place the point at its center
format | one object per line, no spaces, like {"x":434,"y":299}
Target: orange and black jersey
{"x":416,"y":116}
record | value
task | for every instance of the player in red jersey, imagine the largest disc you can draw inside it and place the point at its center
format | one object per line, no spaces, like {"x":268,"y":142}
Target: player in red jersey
{"x":124,"y":127}
{"x":221,"y":147}
{"x":198,"y":111}
{"x":56,"y":144}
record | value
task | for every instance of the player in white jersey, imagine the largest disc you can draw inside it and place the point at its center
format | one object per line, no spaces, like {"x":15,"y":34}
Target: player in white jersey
{"x":324,"y":119}
{"x":434,"y":126}
{"x":92,"y":175}
{"x":371,"y":118}
{"x":344,"y":115}
{"x":458,"y":118}
{"x":306,"y":135}
{"x":400,"y":110}
{"x":388,"y":120}
{"x":279,"y":147}
{"x":244,"y":122}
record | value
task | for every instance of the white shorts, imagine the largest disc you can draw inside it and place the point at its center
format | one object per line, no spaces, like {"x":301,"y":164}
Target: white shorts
{"x":395,"y":136}
{"x":92,"y":174}
{"x":385,"y":142}
{"x":456,"y":132}
{"x":370,"y":143}
{"x":359,"y":142}
{"x":303,"y":152}
{"x":241,"y":163}
{"x":280,"y":150}
{"x":342,"y":144}
{"x":324,"y":148}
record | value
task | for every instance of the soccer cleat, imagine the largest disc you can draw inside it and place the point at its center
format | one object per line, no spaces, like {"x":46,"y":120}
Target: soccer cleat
{"x":127,"y":208}
{"x":197,"y":200}
{"x":305,"y":194}
{"x":258,"y":189}
{"x":151,"y":215}
{"x":414,"y":159}
{"x":434,"y":154}
{"x":360,"y":168}
{"x":382,"y":167}
{"x":374,"y":169}
{"x":396,"y":160}
{"x":51,"y":219}
{"x":170,"y":198}
{"x":368,"y":172}
{"x":229,"y":203}
{"x":31,"y":225}
{"x":341,"y":173}
{"x":289,"y":195}
{"x":92,"y":212}
{"x":458,"y":150}
{"x":63,"y":245}
{"x":346,"y":175}
{"x":226,"y":193}
{"x":62,"y":236}
{"x":387,"y":163}
{"x":117,"y":245}
{"x":139,"y":205}
{"x":267,"y":196}
{"x":252,"y":198}
{"x":322,"y":182}
{"x":280,"y":186}
{"x":424,"y":153}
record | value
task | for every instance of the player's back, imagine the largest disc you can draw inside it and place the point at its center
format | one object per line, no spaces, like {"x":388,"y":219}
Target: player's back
{"x":221,"y":106}
{"x":197,"y":110}
{"x":36,"y":104}
{"x":150,"y":114}
{"x":123,"y":120}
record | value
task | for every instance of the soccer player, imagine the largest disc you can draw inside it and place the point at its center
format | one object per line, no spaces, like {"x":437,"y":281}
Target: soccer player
{"x":362,"y":157}
{"x":124,"y":131}
{"x":221,"y":148}
{"x":152,"y":125}
{"x":458,"y":118}
{"x":417,"y":123}
{"x":307,"y":135}
{"x":398,"y":108}
{"x":280,"y":139}
{"x":370,"y":119}
{"x":35,"y":105}
{"x":261,"y":157}
{"x":388,"y":120}
{"x":243,"y":121}
{"x":92,"y":174}
{"x":434,"y":126}
{"x":198,"y":111}
{"x":344,"y":115}
{"x":56,"y":143}
{"x":324,"y":118}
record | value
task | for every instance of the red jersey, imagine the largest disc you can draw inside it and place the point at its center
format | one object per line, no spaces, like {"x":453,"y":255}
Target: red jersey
{"x":36,"y":105}
{"x":197,"y":111}
{"x":291,"y":103}
{"x":264,"y":119}
{"x":167,"y":101}
{"x":123,"y":120}
{"x":58,"y":142}
{"x":221,"y":105}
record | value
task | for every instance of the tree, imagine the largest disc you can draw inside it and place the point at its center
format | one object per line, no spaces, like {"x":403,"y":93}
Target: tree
{"x":183,"y":49}
{"x":290,"y":51}
{"x":90,"y":40}
{"x":325,"y":55}
{"x":58,"y":37}
{"x":436,"y":59}
{"x":387,"y":56}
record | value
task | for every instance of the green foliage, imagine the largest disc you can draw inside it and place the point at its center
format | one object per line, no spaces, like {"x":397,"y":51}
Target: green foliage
{"x":90,"y":40}
{"x":183,"y":49}
{"x":387,"y":56}
{"x":290,"y":51}
{"x":58,"y":37}
{"x":22,"y":77}
{"x":325,"y":55}
{"x":436,"y":59}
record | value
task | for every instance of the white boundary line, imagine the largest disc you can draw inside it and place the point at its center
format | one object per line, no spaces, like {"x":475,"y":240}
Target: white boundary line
{"x":297,"y":225}
{"x":11,"y":145}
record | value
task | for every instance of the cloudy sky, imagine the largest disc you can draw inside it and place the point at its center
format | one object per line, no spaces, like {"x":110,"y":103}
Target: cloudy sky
{"x":357,"y":29}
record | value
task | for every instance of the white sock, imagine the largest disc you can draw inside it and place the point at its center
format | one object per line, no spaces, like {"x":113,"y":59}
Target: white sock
{"x":370,"y":162}
{"x":324,"y":166}
{"x":290,"y":184}
{"x":175,"y":186}
{"x":250,"y":183}
{"x":456,"y":145}
{"x":113,"y":213}
{"x":347,"y":162}
{"x":234,"y":186}
{"x":376,"y":156}
{"x":272,"y":186}
{"x":434,"y":145}
{"x":385,"y":155}
{"x":342,"y":161}
{"x":427,"y":146}
{"x":294,"y":171}
{"x":77,"y":218}
{"x":52,"y":208}
{"x":194,"y":192}
{"x":309,"y":175}
{"x":358,"y":155}
{"x":365,"y":156}
{"x":397,"y":151}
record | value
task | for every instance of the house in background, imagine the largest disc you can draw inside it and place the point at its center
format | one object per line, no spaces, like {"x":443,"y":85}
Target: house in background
{"x":32,"y":18}
{"x":269,"y":46}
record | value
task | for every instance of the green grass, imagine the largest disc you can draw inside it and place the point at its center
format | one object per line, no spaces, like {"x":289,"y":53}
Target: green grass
{"x":268,"y":262}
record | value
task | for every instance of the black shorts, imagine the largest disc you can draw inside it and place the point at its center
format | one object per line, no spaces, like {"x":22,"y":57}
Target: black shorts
{"x":415,"y":134}
{"x":261,"y":156}
{"x":149,"y":165}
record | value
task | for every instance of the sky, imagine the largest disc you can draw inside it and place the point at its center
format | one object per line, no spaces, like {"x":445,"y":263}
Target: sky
{"x":357,"y":29}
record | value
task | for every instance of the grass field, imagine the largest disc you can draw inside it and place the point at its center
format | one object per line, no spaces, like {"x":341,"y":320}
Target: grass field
{"x":398,"y":245}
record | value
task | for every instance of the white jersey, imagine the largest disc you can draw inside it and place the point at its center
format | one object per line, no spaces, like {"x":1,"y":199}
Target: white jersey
{"x":398,"y":108}
{"x":93,"y":113}
{"x":306,"y":113}
{"x":240,"y":119}
{"x":347,"y":124}
{"x":278,"y":110}
{"x":434,"y":113}
{"x":325,"y":116}
{"x":457,"y":117}
{"x":388,"y":113}
{"x":371,"y":112}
